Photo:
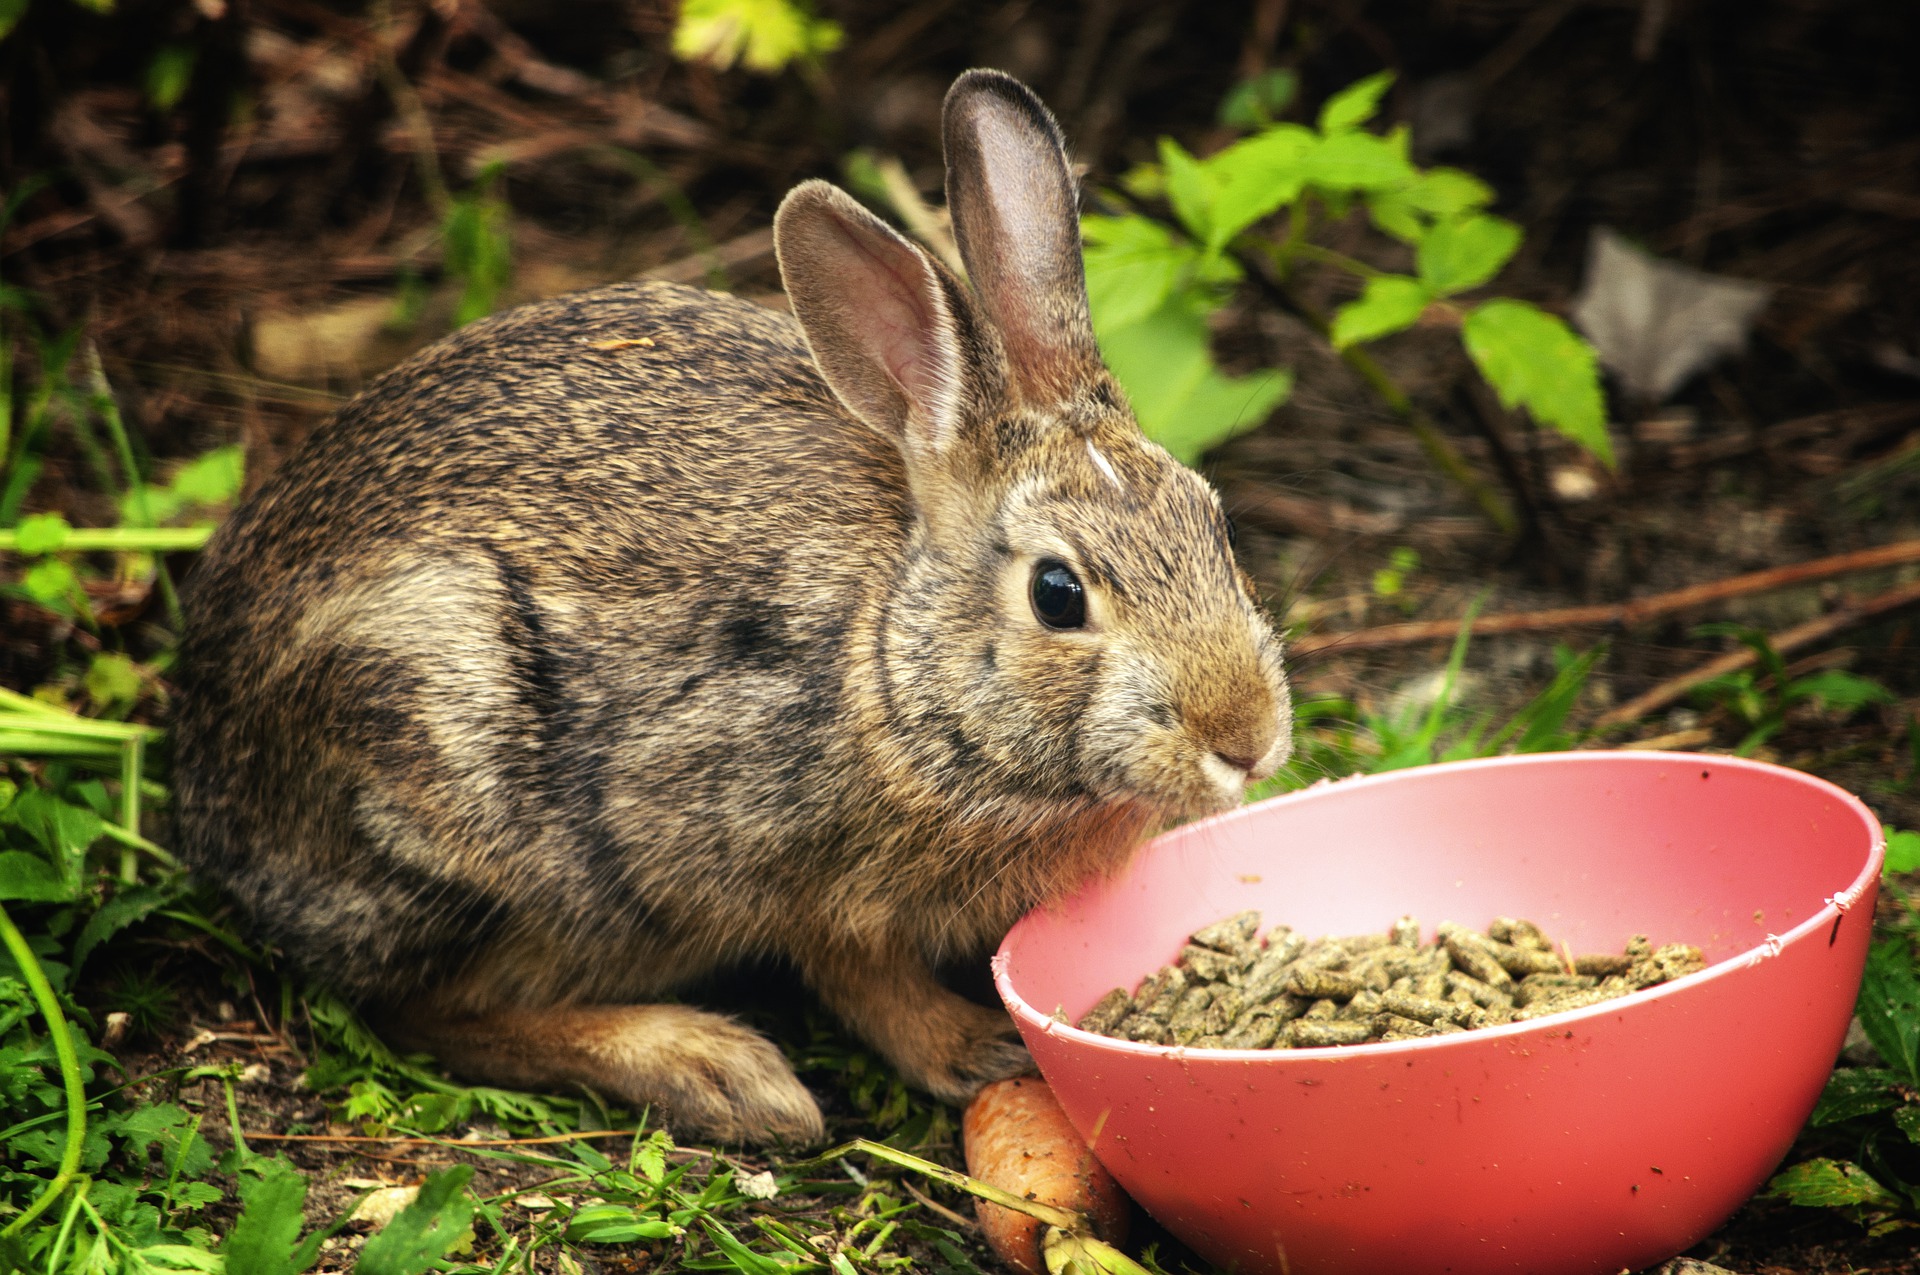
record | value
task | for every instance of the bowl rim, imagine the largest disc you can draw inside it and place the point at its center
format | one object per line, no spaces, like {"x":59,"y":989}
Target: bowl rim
{"x":1834,"y":906}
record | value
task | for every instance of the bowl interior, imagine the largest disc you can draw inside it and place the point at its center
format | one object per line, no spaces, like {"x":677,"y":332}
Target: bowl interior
{"x":1595,"y":847}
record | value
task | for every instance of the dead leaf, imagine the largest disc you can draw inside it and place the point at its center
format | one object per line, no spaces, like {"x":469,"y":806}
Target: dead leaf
{"x":382,"y":1206}
{"x":1655,"y":323}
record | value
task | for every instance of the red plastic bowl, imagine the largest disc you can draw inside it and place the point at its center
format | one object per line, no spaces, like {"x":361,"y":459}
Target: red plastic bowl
{"x":1605,"y":1138}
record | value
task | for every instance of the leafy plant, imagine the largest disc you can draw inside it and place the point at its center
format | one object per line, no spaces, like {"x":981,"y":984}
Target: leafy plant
{"x":1253,"y":209}
{"x":1762,"y":697}
{"x":1876,"y":1109}
{"x":1334,"y":736}
{"x":476,"y":242}
{"x":761,"y":35}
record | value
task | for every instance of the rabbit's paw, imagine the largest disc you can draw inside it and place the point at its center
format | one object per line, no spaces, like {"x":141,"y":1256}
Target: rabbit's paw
{"x":977,"y":1047}
{"x":714,"y":1079}
{"x":707,"y":1076}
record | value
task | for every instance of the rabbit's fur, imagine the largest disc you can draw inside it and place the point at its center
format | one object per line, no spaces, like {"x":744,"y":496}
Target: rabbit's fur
{"x":632,"y":634}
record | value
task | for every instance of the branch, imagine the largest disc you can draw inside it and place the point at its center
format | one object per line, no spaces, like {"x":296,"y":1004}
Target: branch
{"x":1812,"y":631}
{"x":1618,"y":614}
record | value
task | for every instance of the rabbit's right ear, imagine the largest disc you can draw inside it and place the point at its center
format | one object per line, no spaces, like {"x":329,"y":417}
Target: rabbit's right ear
{"x":1016,"y":217}
{"x":877,"y":316}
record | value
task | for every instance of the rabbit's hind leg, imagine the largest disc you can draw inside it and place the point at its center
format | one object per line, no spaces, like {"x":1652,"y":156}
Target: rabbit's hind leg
{"x":705,"y":1075}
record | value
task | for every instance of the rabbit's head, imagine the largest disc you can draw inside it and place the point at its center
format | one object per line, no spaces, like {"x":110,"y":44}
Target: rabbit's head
{"x":1068,"y":623}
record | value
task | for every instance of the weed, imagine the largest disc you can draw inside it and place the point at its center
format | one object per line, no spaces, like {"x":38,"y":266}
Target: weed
{"x":1873,"y":1113}
{"x":1761,"y":698}
{"x":1334,"y":736}
{"x":1252,"y":211}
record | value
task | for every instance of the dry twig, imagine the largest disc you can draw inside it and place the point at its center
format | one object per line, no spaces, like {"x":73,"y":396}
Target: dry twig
{"x":1845,"y":617}
{"x":1619,"y":614}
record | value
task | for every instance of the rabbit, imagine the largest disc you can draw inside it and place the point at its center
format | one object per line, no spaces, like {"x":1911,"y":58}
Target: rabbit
{"x":624,"y":637}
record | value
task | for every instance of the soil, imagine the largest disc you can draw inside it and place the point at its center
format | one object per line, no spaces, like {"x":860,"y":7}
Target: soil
{"x":238,"y":269}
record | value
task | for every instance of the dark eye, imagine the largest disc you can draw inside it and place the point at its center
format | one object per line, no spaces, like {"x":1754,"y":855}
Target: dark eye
{"x":1233,"y":531}
{"x":1059,"y":599}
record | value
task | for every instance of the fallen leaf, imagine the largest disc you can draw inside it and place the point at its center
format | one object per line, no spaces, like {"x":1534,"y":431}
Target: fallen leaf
{"x":382,"y":1206}
{"x":1655,"y":323}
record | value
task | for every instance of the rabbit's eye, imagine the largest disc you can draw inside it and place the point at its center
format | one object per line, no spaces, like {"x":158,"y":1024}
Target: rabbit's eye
{"x":1233,"y":531}
{"x":1059,"y":599}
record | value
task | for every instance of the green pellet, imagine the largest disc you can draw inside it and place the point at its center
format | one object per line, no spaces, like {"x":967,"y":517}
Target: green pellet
{"x":1307,"y":1033}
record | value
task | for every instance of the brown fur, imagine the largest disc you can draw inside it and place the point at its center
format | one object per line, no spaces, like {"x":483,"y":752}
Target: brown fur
{"x":640,"y":632}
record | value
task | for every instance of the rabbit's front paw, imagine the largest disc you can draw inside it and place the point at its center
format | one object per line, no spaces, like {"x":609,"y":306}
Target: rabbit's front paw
{"x":961,"y":1046}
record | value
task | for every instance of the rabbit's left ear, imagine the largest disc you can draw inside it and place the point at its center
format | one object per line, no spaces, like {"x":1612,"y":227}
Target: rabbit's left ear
{"x":1016,"y":217}
{"x":877,"y":317}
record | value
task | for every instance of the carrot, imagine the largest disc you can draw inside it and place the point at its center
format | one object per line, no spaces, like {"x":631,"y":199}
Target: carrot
{"x":1018,"y":1139}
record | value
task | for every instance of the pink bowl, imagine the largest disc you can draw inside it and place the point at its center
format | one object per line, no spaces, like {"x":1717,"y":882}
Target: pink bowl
{"x":1600,"y":1139}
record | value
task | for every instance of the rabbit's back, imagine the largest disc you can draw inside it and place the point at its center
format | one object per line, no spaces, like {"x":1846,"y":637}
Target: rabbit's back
{"x":576,"y":556}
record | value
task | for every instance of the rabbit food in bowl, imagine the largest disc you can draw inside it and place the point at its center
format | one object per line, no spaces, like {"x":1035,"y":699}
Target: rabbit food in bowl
{"x":1606,"y":1137}
{"x":1233,"y":988}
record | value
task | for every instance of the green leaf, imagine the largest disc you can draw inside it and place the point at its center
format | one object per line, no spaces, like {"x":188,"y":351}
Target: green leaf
{"x":650,"y":1159}
{"x":112,"y":679}
{"x":615,"y":1224}
{"x":264,"y":1238}
{"x":440,"y":1217}
{"x":1464,"y":252}
{"x":1190,"y":189}
{"x":1257,"y":102}
{"x":11,"y":11}
{"x":123,"y":909}
{"x":1824,"y":1183}
{"x":1255,"y":178}
{"x":744,"y":1259}
{"x":1889,"y":1008}
{"x":1181,"y":399}
{"x":168,"y":76}
{"x":1390,"y":303}
{"x":174,"y":1257}
{"x":64,"y":830}
{"x":161,"y":1122}
{"x":1903,"y":851}
{"x":1535,"y":361}
{"x":50,"y":581}
{"x":1855,"y":1091}
{"x":31,"y":879}
{"x":1358,"y":162}
{"x":212,"y":478}
{"x":761,"y":35}
{"x":1394,"y":215}
{"x":1356,"y":104}
{"x":1448,"y":192}
{"x":1133,"y":266}
{"x":1839,"y":690}
{"x":40,"y":533}
{"x":1907,"y":1120}
{"x":188,"y":1196}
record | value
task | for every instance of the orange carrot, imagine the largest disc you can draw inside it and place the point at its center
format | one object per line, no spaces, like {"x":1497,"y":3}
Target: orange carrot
{"x":1018,"y":1139}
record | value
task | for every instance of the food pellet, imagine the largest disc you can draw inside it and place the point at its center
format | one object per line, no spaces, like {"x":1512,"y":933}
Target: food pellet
{"x":1232,"y":988}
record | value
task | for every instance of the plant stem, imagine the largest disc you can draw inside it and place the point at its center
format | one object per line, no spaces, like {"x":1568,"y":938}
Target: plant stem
{"x":1432,"y":441}
{"x":122,"y":539}
{"x":109,"y":409}
{"x":131,"y":755}
{"x":1340,"y":260}
{"x":69,"y":1071}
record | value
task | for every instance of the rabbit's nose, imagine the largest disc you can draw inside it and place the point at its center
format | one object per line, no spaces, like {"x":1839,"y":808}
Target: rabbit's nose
{"x":1240,"y":730}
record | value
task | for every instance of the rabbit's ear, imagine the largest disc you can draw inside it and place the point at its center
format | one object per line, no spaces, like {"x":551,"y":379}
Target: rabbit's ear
{"x":1016,"y":216}
{"x":877,"y":316}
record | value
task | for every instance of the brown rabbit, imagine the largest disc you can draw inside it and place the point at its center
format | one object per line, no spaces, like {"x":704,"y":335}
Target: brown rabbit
{"x":636,"y":633}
